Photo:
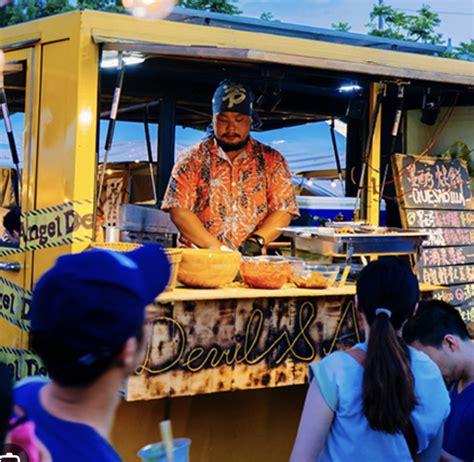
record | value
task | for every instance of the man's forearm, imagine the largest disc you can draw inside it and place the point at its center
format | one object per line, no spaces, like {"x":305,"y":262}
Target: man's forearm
{"x":269,"y":229}
{"x":191,"y":228}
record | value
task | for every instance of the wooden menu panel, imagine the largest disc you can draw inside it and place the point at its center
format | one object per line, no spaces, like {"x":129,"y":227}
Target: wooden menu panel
{"x":432,"y":183}
{"x":457,"y":295}
{"x":447,"y":275}
{"x":440,"y":218}
{"x":434,"y":196}
{"x":462,"y":296}
{"x":445,"y":256}
{"x":446,"y":237}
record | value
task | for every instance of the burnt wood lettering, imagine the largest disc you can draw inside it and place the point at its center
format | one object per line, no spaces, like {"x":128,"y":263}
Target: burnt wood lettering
{"x":211,"y":346}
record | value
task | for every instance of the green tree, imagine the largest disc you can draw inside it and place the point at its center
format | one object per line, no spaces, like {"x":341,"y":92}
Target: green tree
{"x":216,"y":6}
{"x":466,"y":49}
{"x":398,"y":25}
{"x":267,"y":16}
{"x":422,"y":26}
{"x":419,"y":27}
{"x":27,"y":10}
{"x":341,"y":26}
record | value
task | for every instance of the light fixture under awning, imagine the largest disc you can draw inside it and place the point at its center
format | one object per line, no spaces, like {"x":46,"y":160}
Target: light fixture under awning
{"x":110,"y":59}
{"x":272,"y":57}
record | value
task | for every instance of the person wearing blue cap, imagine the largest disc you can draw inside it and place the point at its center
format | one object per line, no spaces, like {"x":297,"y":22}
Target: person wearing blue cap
{"x":87,"y":321}
{"x":231,"y":190}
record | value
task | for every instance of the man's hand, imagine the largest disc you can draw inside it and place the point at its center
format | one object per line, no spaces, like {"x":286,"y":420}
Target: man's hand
{"x":251,"y":247}
{"x":192,"y":229}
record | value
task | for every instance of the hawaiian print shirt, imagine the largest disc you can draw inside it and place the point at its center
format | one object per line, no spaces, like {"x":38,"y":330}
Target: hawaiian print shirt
{"x":232,"y":199}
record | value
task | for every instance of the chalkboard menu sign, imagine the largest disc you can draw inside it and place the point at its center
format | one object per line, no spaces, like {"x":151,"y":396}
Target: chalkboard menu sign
{"x":434,"y":196}
{"x":433,"y":183}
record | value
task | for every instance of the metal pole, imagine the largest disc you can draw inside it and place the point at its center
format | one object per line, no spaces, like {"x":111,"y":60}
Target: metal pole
{"x":149,"y":152}
{"x":112,"y":120}
{"x":395,"y":130}
{"x":166,"y":143}
{"x":368,"y":147}
{"x":11,"y":140}
{"x":336,"y":154}
{"x":380,"y":25}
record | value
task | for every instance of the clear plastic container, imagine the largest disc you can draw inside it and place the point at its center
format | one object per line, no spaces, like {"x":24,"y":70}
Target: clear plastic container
{"x":312,"y":275}
{"x":156,"y":452}
{"x":265,"y":272}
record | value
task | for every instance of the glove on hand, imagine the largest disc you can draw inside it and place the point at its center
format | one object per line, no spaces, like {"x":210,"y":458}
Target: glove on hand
{"x":251,"y":247}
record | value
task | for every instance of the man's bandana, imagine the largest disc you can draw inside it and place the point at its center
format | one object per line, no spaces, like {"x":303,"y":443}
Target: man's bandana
{"x":233,"y":97}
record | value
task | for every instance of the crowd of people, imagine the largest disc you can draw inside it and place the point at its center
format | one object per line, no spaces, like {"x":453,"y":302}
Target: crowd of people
{"x":385,"y":399}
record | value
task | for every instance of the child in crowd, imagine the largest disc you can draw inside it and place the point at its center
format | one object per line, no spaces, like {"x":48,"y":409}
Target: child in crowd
{"x":87,"y":320}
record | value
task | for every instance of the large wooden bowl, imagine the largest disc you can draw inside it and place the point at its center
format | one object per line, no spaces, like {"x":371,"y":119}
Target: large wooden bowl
{"x":205,"y":268}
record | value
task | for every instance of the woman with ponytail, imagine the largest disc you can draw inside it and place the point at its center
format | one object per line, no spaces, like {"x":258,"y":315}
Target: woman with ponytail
{"x":382,"y":400}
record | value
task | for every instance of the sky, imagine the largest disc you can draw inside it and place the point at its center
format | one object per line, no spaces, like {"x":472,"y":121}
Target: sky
{"x":307,"y":147}
{"x":457,"y":16}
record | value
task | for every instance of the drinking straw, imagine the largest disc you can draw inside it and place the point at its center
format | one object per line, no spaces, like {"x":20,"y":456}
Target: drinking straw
{"x":167,"y":438}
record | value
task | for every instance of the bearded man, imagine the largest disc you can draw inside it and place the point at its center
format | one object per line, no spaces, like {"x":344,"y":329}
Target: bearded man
{"x":231,"y":190}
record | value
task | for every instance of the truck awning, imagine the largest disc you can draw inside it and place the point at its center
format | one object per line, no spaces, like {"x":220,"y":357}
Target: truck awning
{"x":370,"y":67}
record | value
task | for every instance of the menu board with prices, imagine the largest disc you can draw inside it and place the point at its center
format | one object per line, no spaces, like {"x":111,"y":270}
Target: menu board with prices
{"x":434,"y":196}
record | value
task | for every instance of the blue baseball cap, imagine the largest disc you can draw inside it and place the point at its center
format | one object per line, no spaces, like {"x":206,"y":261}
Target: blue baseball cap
{"x":93,"y":301}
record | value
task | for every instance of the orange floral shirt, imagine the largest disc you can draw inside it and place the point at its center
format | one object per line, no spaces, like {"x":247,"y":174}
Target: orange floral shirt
{"x":232,"y":199}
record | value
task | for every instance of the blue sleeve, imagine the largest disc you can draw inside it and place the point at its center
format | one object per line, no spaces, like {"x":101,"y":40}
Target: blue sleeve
{"x":459,"y":428}
{"x":433,"y":399}
{"x":322,"y":372}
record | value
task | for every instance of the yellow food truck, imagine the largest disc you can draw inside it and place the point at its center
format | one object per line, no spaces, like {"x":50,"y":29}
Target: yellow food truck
{"x":227,"y":365}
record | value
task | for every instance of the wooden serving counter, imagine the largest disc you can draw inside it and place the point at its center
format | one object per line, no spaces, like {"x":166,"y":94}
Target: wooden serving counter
{"x":256,"y":343}
{"x":184,"y":294}
{"x":235,"y":338}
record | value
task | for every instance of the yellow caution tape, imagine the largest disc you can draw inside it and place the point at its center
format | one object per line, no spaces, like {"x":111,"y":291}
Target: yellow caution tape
{"x":58,"y":225}
{"x":21,"y":363}
{"x":15,"y":304}
{"x":9,"y":251}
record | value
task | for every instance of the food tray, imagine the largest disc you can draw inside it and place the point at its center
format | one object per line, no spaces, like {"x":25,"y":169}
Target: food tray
{"x":325,"y":241}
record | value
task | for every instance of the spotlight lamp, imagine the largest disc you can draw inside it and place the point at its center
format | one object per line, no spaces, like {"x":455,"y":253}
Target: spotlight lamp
{"x":430,"y":107}
{"x":149,"y":9}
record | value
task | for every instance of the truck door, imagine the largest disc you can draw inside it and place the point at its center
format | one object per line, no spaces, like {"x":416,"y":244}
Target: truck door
{"x":17,"y":133}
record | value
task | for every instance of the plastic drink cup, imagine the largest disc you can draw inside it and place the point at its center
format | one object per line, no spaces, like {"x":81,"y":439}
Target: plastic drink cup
{"x":112,"y":234}
{"x":156,"y":452}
